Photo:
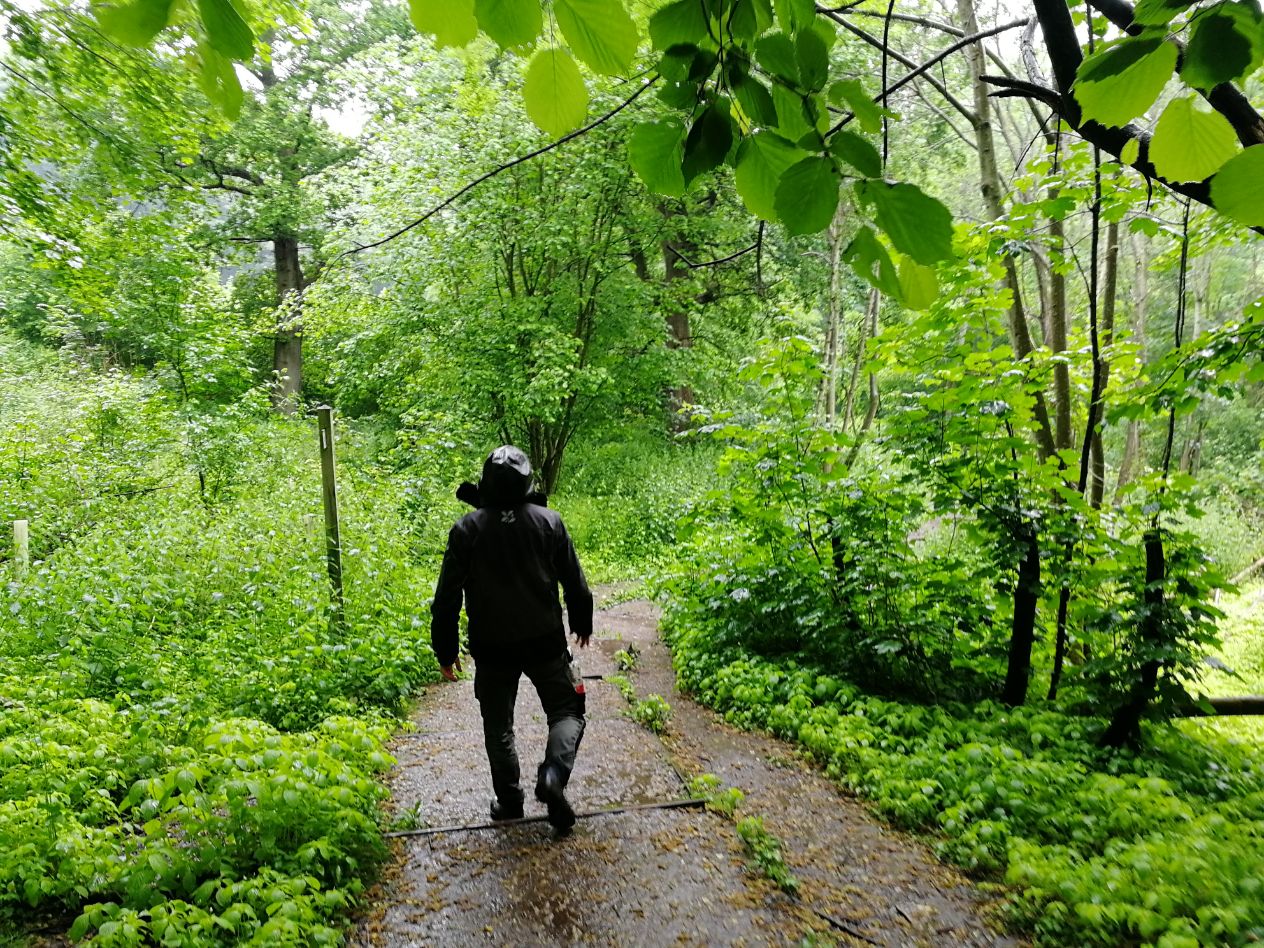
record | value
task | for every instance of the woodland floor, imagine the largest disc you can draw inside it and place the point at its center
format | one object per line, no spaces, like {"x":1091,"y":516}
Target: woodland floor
{"x":648,"y":876}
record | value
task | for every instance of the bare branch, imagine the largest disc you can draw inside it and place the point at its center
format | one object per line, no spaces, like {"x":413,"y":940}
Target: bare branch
{"x":500,"y":169}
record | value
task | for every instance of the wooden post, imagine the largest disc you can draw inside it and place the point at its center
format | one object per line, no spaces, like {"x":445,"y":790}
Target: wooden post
{"x":21,"y":546}
{"x":329,"y":493}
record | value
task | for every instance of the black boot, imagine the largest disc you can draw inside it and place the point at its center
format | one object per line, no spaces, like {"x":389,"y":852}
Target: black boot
{"x":506,"y":811}
{"x":548,"y":790}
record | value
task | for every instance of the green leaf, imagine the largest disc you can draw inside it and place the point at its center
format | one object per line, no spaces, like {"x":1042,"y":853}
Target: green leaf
{"x":750,"y":18}
{"x":813,"y":60}
{"x":1237,"y":190}
{"x":1158,"y":12}
{"x":656,"y":151}
{"x":1223,"y":46}
{"x":917,"y":224}
{"x":554,"y":92}
{"x":509,"y":22}
{"x":450,"y":22}
{"x":1191,"y":143}
{"x":793,"y":120}
{"x":857,"y":152}
{"x":807,"y":195}
{"x":226,"y":31}
{"x":1130,"y":152}
{"x":1116,"y":85}
{"x":219,"y":81}
{"x":795,"y":14}
{"x":756,"y":102}
{"x":776,"y":55}
{"x":761,"y":161}
{"x":134,"y":24}
{"x":919,"y":287}
{"x":868,"y":113}
{"x":600,"y":32}
{"x":682,"y":22}
{"x":709,"y":140}
{"x":871,"y":262}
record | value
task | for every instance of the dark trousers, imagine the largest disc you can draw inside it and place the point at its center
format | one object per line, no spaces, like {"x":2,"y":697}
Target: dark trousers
{"x":496,"y":687}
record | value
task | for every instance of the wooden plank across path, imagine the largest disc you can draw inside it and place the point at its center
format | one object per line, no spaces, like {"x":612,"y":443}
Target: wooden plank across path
{"x":655,"y":869}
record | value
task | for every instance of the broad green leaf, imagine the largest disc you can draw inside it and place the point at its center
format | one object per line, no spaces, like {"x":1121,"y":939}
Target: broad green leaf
{"x":756,"y":102}
{"x":1191,"y":143}
{"x":776,"y":55}
{"x":678,"y":95}
{"x":682,"y":22}
{"x":134,"y":24}
{"x":656,"y":151}
{"x":868,"y":112}
{"x":793,"y":120}
{"x":1223,"y":46}
{"x":871,"y":262}
{"x":219,"y":81}
{"x":919,"y":287}
{"x":554,"y":92}
{"x":1116,"y":85}
{"x":709,"y":140}
{"x":795,"y":14}
{"x":1237,"y":190}
{"x":226,"y":31}
{"x":857,"y":152}
{"x":813,"y":59}
{"x":1130,"y":152}
{"x":509,"y":22}
{"x":761,"y":161}
{"x":1158,"y":12}
{"x":600,"y":32}
{"x":917,"y":224}
{"x":750,"y":18}
{"x":450,"y":22}
{"x":807,"y":195}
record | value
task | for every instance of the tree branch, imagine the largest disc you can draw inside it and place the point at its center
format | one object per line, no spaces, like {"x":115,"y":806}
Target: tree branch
{"x":499,"y":169}
{"x":942,"y":54}
{"x":1225,"y":98}
{"x":904,"y":60}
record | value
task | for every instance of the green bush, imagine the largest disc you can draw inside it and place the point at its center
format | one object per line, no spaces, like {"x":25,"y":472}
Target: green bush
{"x":1163,"y":847}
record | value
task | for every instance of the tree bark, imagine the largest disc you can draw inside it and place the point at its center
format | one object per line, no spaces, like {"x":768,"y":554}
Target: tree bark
{"x":1056,"y":330}
{"x":1023,"y":629}
{"x":287,"y":352}
{"x":990,"y":188}
{"x":833,"y":340}
{"x":1125,"y":725}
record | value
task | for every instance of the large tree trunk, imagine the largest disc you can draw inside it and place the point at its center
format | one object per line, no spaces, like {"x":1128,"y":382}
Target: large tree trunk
{"x":287,"y":352}
{"x":1056,"y":330}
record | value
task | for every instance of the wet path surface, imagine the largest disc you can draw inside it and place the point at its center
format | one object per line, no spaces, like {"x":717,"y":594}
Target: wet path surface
{"x":651,"y":876}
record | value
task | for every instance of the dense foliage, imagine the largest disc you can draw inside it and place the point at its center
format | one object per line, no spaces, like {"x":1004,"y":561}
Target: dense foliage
{"x":938,"y":410}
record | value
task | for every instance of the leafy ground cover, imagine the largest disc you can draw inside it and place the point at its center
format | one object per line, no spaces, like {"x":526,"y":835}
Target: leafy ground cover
{"x":1160,"y":847}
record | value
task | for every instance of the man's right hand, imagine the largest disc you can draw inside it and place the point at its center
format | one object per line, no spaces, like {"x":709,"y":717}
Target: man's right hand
{"x":451,"y":671}
{"x":582,"y":641}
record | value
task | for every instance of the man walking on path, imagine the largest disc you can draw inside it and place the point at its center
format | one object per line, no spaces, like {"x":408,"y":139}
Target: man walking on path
{"x":507,"y":558}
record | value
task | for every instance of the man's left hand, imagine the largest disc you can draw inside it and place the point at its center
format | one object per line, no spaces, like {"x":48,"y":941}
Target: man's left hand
{"x":451,"y":671}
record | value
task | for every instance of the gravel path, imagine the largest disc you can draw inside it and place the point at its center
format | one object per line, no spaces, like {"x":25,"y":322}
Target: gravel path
{"x":650,"y":876}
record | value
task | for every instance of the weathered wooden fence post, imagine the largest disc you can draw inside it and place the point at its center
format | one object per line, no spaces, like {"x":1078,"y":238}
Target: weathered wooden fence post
{"x":329,"y":493}
{"x":21,"y":546}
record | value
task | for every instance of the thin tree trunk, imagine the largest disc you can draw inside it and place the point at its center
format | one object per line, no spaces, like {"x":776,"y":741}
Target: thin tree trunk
{"x":990,"y":188}
{"x":834,"y":345}
{"x":287,"y":352}
{"x":1110,"y":280}
{"x":870,"y":318}
{"x":1140,"y":297}
{"x":1056,"y":323}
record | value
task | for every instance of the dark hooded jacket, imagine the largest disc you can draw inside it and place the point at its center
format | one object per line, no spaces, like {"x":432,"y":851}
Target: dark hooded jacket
{"x":506,"y":559}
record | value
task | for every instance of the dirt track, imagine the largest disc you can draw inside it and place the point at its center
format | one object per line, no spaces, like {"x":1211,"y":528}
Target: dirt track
{"x":650,"y":876}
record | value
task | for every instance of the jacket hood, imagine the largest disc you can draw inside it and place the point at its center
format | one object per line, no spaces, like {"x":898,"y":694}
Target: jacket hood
{"x":506,"y":478}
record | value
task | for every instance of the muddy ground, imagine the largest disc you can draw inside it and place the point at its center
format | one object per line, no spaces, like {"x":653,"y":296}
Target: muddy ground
{"x":647,"y":876}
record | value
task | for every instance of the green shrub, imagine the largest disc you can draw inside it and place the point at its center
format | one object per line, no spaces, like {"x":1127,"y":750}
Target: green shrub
{"x":1133,"y":847}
